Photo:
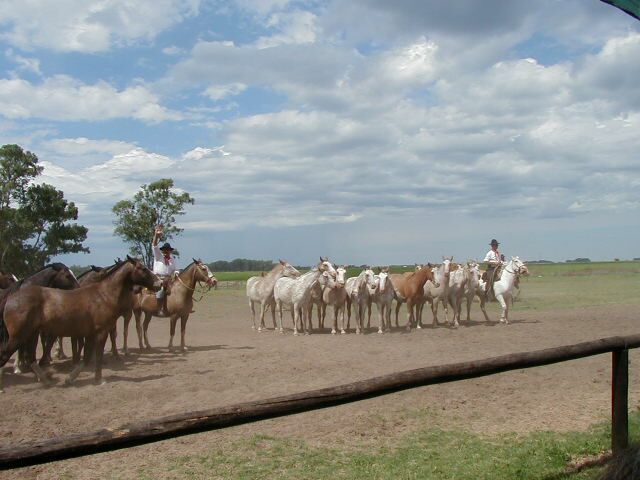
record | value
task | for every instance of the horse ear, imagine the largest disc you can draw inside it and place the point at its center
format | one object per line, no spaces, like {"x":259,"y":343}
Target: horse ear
{"x":282,"y":262}
{"x":322,"y":259}
{"x":194,"y":260}
{"x":129,"y":259}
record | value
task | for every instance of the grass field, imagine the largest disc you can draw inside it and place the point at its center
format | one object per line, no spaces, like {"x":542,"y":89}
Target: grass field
{"x":438,"y":453}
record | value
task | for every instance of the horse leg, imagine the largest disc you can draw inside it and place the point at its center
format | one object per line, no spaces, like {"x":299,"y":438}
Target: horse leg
{"x":263,"y":309}
{"x":381,"y":315}
{"x":398,"y":304}
{"x":279,"y":308}
{"x":125,"y":333}
{"x":172,"y":330}
{"x":253,"y":314}
{"x":6,"y":351}
{"x":272,"y":306}
{"x":46,"y":357}
{"x":334,"y":330}
{"x":484,"y":311}
{"x":410,"y":316}
{"x":348,"y":316}
{"x":296,"y":315}
{"x":183,"y":329}
{"x":138,"y":329}
{"x":100,"y":341}
{"x":114,"y":349}
{"x":60,"y":355}
{"x":505,"y":308}
{"x":145,"y":326}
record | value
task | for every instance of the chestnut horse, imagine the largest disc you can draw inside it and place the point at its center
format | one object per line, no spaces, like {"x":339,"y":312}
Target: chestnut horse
{"x":409,"y":288}
{"x":179,"y":302}
{"x":89,"y":312}
{"x":55,"y":275}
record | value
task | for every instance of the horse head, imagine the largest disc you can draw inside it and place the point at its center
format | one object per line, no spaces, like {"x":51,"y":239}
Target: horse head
{"x":203,"y":274}
{"x":340,"y":276}
{"x":383,"y":279}
{"x":326,"y":266}
{"x":63,"y":277}
{"x":289,"y":270}
{"x":518,"y":266}
{"x":141,"y":275}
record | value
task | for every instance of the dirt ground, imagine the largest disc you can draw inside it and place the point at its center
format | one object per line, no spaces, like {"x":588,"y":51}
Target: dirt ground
{"x":228,"y":362}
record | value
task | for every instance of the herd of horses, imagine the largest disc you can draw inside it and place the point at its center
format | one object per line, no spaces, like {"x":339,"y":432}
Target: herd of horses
{"x":447,"y":283}
{"x":54,"y":303}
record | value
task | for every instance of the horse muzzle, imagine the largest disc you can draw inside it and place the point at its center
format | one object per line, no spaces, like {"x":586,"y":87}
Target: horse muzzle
{"x":212,"y":281}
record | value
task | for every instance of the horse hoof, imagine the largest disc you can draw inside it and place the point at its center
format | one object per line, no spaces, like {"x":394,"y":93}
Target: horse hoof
{"x":419,"y":327}
{"x":380,"y":331}
{"x":99,"y":383}
{"x":342,"y":332}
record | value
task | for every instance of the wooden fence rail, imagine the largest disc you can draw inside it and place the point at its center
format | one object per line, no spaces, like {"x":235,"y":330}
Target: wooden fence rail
{"x":138,"y":433}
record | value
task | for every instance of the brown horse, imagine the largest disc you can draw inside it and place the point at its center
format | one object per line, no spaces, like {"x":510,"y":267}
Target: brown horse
{"x":89,"y":312}
{"x":179,"y":301}
{"x":55,"y":275}
{"x":409,"y":288}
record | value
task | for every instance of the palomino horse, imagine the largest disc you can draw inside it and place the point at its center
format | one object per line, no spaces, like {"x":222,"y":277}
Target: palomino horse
{"x":260,"y":290}
{"x":409,"y":289}
{"x":89,"y":312}
{"x":504,"y":287}
{"x":55,"y":275}
{"x":179,"y":301}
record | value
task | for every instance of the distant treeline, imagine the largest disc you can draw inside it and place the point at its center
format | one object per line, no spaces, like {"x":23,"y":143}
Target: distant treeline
{"x":241,"y":265}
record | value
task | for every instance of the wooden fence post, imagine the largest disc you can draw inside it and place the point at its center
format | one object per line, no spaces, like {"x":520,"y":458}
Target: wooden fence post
{"x":620,"y":400}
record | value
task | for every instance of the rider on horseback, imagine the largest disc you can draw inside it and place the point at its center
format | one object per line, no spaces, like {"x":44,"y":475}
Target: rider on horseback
{"x":494,"y":259}
{"x":164,"y":265}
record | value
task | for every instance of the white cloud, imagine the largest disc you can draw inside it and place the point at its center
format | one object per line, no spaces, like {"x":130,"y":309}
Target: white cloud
{"x":293,"y":27}
{"x":218,"y":92}
{"x":88,"y":26}
{"x":64,"y":98}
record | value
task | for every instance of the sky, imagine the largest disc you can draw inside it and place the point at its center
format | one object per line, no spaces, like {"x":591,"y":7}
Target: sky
{"x":368,"y":131}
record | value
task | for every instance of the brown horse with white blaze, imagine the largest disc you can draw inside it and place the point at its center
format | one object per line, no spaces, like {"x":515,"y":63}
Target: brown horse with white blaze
{"x":179,"y":301}
{"x":90,"y":312}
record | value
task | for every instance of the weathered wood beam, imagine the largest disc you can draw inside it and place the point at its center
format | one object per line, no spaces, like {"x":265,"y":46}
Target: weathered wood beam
{"x":138,"y":433}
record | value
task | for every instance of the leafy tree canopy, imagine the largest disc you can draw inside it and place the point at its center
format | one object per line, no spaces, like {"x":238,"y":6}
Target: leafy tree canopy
{"x":157,"y":203}
{"x":35,"y":219}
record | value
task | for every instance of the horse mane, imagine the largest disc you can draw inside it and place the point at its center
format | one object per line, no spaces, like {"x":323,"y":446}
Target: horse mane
{"x":114,"y":268}
{"x":92,"y":268}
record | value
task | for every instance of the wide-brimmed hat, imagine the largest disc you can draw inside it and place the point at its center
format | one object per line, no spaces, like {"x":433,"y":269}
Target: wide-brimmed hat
{"x":494,"y":242}
{"x":167,"y":246}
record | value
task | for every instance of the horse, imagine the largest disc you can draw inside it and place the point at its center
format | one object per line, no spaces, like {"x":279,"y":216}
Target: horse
{"x":93,"y":275}
{"x":434,"y":295}
{"x":260,"y":290}
{"x":472,"y":289}
{"x":382,"y":295}
{"x":335,"y":294}
{"x":358,"y":294}
{"x":179,"y":301}
{"x":90,"y":312}
{"x":296,"y":293}
{"x":458,"y":280}
{"x":54,"y":275}
{"x":409,"y":289}
{"x":502,"y":288}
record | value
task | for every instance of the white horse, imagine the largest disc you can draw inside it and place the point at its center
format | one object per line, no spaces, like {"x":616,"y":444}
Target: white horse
{"x":457,"y":284}
{"x":382,"y":294}
{"x":358,"y":295}
{"x":335,"y":294}
{"x":296,"y":293}
{"x":504,"y":287}
{"x":472,"y":288}
{"x":260,"y":290}
{"x":436,"y":294}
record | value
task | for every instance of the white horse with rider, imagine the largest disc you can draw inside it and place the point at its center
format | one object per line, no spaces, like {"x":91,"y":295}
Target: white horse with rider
{"x":504,"y":287}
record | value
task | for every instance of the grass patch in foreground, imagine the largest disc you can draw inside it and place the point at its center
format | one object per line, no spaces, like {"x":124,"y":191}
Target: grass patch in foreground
{"x":429,"y":454}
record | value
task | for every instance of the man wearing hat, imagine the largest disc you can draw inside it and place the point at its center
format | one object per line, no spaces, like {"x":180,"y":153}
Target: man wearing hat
{"x":164,"y":265}
{"x":494,"y":259}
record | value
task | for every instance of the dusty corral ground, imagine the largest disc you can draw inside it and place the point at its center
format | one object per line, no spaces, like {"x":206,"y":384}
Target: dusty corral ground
{"x":227,"y":363}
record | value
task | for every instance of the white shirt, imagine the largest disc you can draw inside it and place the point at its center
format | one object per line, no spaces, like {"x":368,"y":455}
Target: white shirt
{"x":492,"y":257}
{"x":159,"y":265}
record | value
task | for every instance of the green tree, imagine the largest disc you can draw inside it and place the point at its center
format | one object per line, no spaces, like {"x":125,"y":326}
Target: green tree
{"x":155,"y":204}
{"x":34,"y":218}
